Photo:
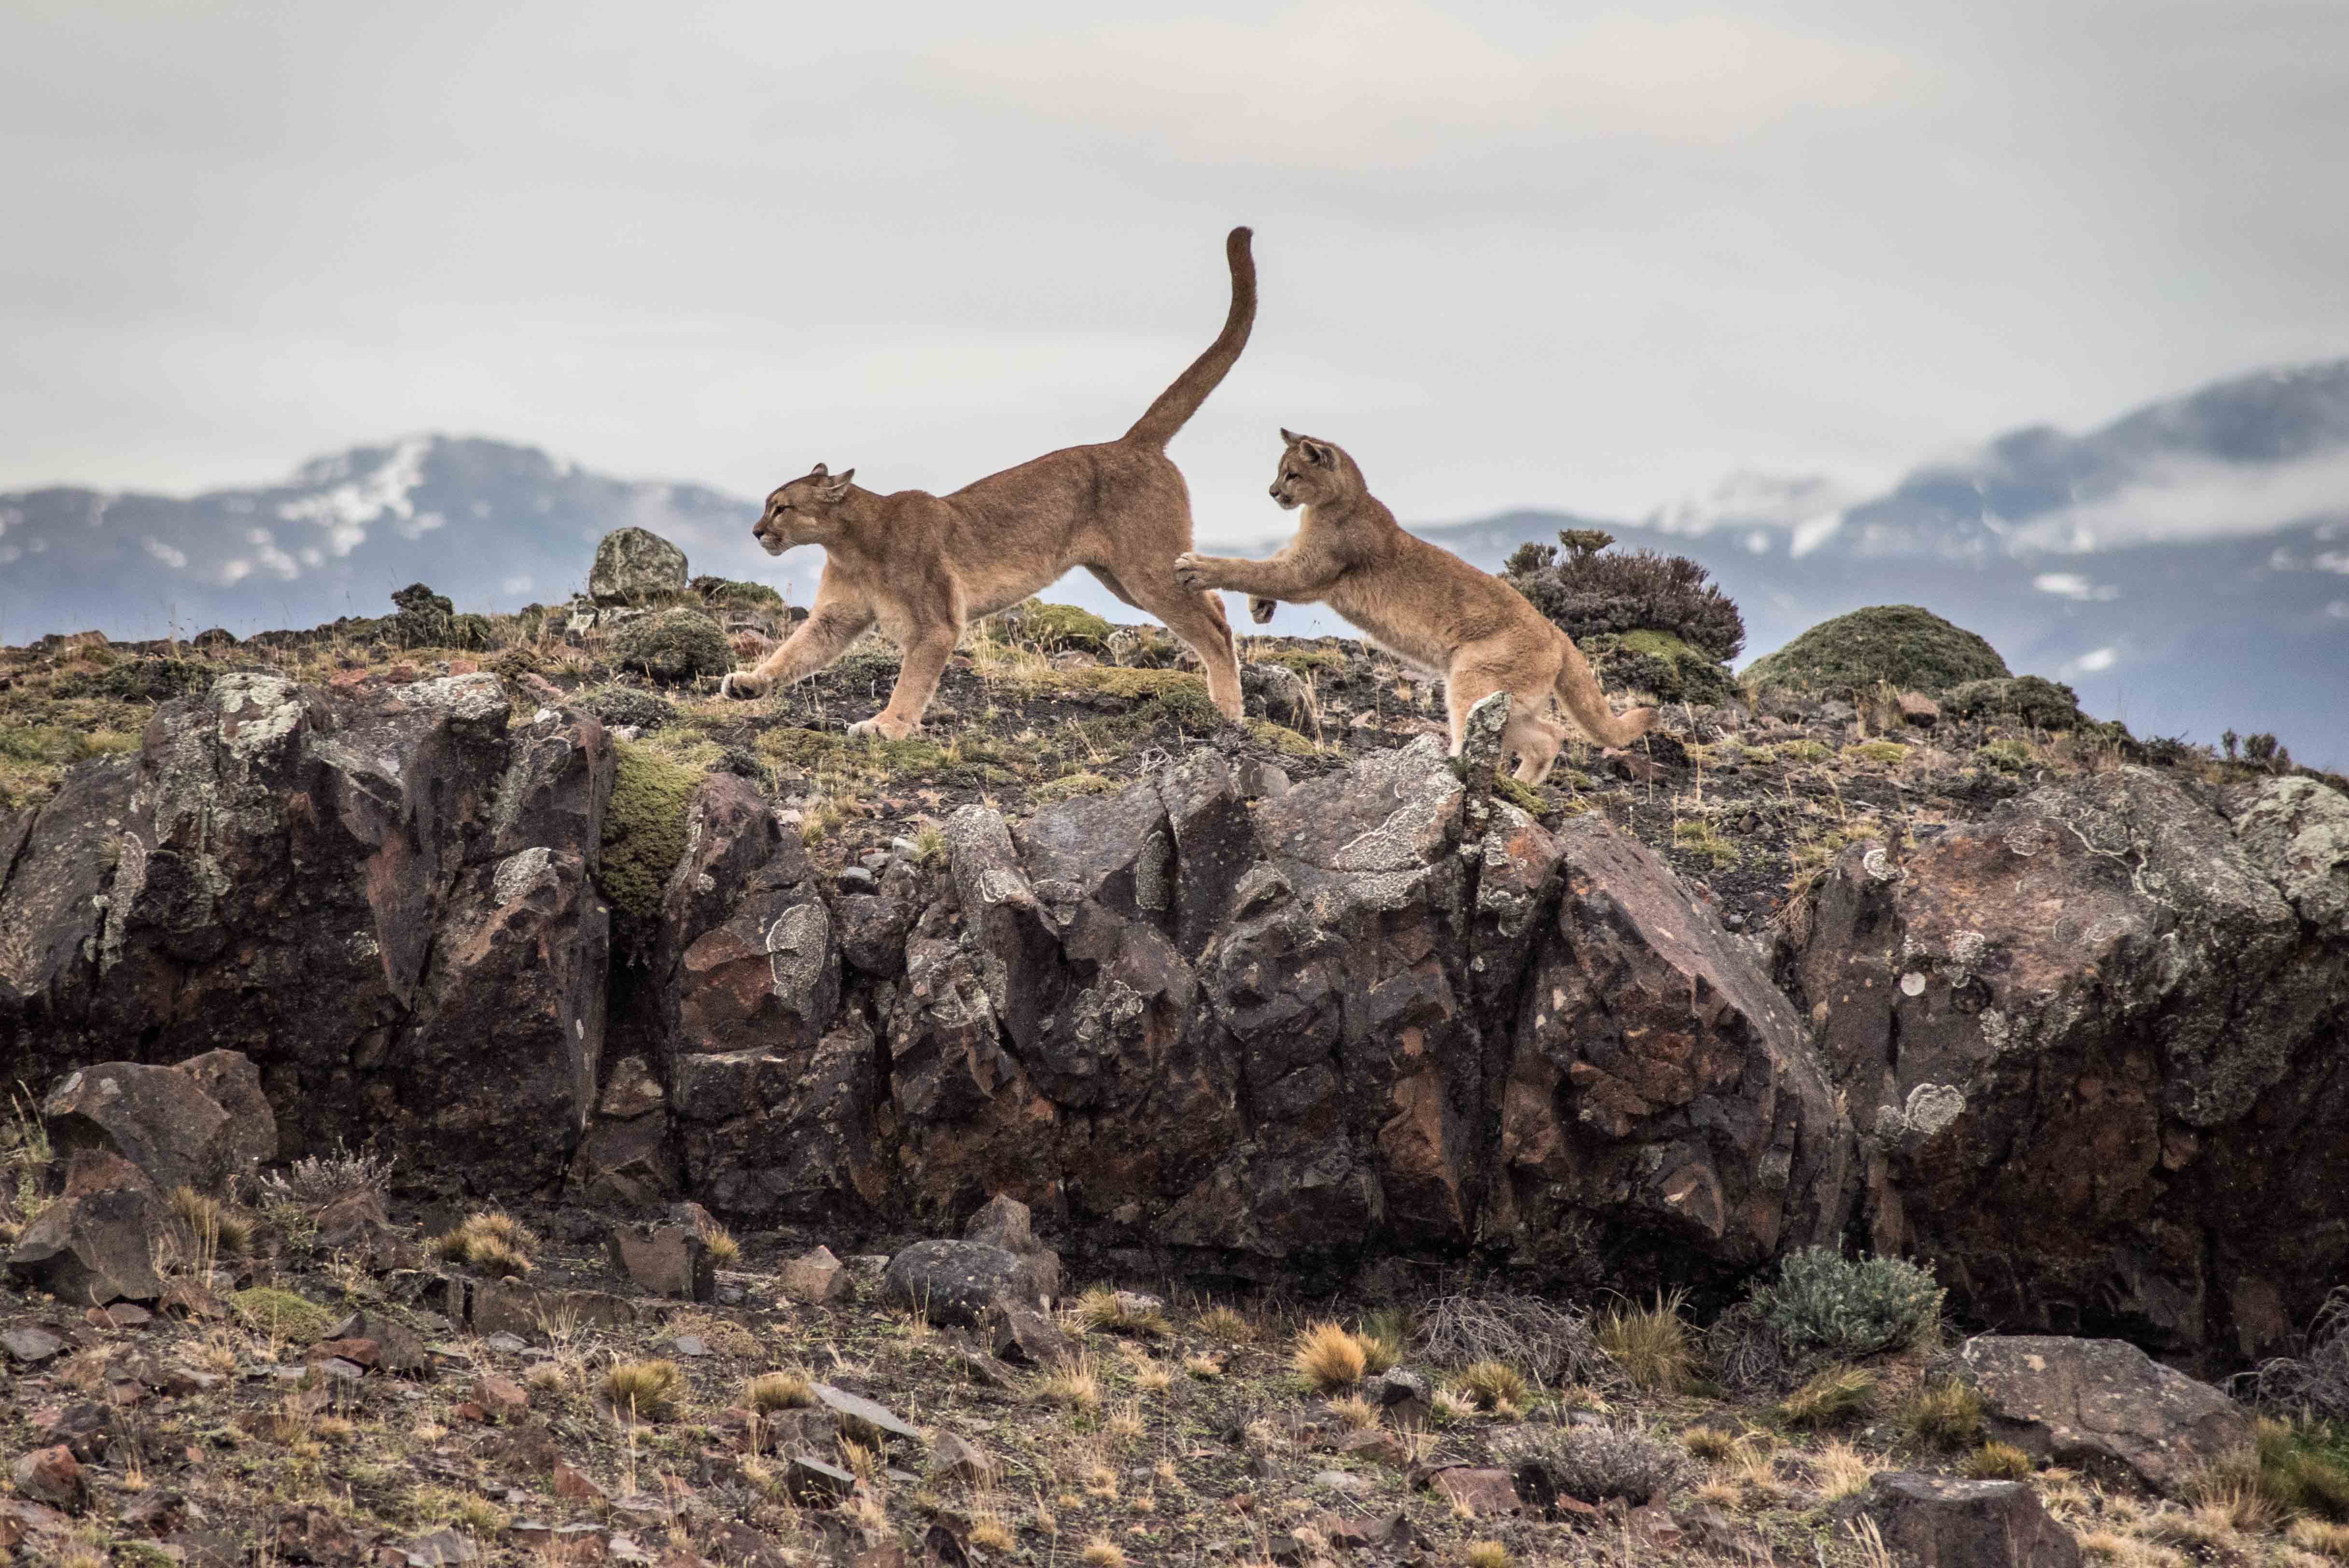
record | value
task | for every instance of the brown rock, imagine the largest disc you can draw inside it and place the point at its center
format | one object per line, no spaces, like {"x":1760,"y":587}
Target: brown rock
{"x":357,"y":1352}
{"x":1479,"y":1491}
{"x":95,"y":1243}
{"x":52,"y":1475}
{"x":1026,"y":1337}
{"x":625,"y":1165}
{"x":666,"y":1260}
{"x":1950,"y":1524}
{"x":1916,"y":708}
{"x":1377,"y":1446}
{"x":500,"y":1397}
{"x":573,"y":1486}
{"x":814,"y":1277}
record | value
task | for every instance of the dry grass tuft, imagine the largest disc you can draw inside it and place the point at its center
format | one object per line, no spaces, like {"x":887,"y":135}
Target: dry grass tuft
{"x":1487,"y":1555}
{"x":1357,"y":1413}
{"x":1101,"y":1552}
{"x":1832,"y":1397}
{"x":1947,"y":1417}
{"x":988,"y":1532}
{"x":1226,"y":1323}
{"x":1489,"y":1384}
{"x":493,"y":1242}
{"x":1995,"y":1461}
{"x":645,"y":1390}
{"x":1709,"y":1442}
{"x":219,"y":1229}
{"x":1649,"y":1344}
{"x":1073,"y":1386}
{"x":1111,"y":1311}
{"x":1844,"y":1471}
{"x":2321,"y":1536}
{"x":1330,"y":1358}
{"x":773,"y":1391}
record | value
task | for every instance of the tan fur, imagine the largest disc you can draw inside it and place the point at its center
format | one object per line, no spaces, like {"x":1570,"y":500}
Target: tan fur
{"x":922,"y":567}
{"x":1424,"y":605}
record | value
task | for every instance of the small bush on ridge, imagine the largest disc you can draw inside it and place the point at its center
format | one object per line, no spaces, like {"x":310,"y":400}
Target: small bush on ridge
{"x":1848,"y":1307}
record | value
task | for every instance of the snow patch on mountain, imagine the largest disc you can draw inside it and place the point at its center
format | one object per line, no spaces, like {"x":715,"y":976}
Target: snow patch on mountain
{"x":347,"y":508}
{"x":2180,"y":500}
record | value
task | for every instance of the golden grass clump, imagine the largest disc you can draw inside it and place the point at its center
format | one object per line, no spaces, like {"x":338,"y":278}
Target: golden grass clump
{"x":1330,"y":1358}
{"x":1384,"y":1333}
{"x":1487,"y":1555}
{"x":1945,"y":1415}
{"x":1101,"y":1552}
{"x":773,"y":1391}
{"x":1111,"y":1311}
{"x":1490,"y":1385}
{"x":646,"y":1390}
{"x":215,"y":1226}
{"x":1995,"y":1461}
{"x":1074,"y":1384}
{"x":1709,"y":1442}
{"x":1651,"y":1344}
{"x":1355,"y":1412}
{"x":491,"y":1241}
{"x":1226,"y":1323}
{"x":1830,"y":1398}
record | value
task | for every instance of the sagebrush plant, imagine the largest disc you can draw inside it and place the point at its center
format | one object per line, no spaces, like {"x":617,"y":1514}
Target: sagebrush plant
{"x":1851,"y":1307}
{"x":1587,"y":592}
{"x":314,"y":1181}
{"x":1592,"y":1464}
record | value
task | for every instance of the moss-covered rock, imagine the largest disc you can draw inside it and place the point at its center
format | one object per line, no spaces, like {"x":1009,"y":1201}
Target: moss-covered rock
{"x":141,"y":680}
{"x":738,"y":593}
{"x":644,"y":828}
{"x":1913,"y":649}
{"x":2027,"y":698}
{"x":281,"y":1314}
{"x":1068,"y":786}
{"x":673,"y":645}
{"x":1659,"y":664}
{"x":635,"y":566}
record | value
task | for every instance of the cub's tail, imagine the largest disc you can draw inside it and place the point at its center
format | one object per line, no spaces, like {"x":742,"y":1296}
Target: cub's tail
{"x":1577,"y":688}
{"x":1178,"y":403}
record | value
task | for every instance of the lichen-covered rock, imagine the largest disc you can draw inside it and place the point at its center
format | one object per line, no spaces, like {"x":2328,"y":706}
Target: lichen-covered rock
{"x":673,"y":645}
{"x":635,"y":566}
{"x":1946,"y":1522}
{"x":2086,"y":1037}
{"x":2102,"y":1404}
{"x":2296,"y":831}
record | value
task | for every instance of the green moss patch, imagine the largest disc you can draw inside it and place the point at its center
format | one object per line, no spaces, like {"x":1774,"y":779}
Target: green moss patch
{"x":281,"y":1314}
{"x":644,"y":828}
{"x":1660,"y":664}
{"x":1280,"y":738}
{"x":1068,"y":786}
{"x":33,"y":757}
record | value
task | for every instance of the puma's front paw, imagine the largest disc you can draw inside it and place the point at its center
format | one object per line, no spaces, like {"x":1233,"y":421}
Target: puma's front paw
{"x":885,"y":727}
{"x":743,"y":684}
{"x":1260,"y":610}
{"x":1191,"y":571}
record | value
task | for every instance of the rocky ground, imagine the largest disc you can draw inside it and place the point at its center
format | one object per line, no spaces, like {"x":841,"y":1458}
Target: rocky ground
{"x":1279,"y":1023}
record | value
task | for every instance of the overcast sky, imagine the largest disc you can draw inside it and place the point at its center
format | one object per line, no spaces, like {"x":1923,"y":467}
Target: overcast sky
{"x":1511,"y":253}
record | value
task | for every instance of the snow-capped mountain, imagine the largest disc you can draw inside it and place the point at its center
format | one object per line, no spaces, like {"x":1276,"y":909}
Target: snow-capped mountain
{"x":495,"y":526}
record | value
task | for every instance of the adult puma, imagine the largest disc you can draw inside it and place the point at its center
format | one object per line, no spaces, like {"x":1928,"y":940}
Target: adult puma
{"x":923,"y":566}
{"x":1424,"y":605}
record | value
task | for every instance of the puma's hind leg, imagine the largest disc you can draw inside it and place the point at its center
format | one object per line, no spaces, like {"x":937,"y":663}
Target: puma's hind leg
{"x":1535,"y":738}
{"x":1198,"y":620}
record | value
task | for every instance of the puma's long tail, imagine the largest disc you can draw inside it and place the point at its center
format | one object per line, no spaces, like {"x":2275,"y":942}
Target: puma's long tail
{"x":1577,"y":688}
{"x":1178,"y":403}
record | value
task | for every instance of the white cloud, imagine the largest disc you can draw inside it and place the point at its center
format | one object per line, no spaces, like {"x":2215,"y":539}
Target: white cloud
{"x":2178,"y":501}
{"x":235,"y":572}
{"x":517,"y":585}
{"x":2338,"y":610}
{"x":265,"y":550}
{"x":2333,"y":561}
{"x":1345,"y":84}
{"x":2073,"y":586}
{"x":169,"y":554}
{"x":2091,"y":663}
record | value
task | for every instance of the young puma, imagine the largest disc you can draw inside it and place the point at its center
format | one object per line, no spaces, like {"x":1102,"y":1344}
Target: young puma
{"x":1422,"y":604}
{"x":923,"y":566}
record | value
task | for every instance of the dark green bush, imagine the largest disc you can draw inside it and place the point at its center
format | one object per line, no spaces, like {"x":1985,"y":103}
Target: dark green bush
{"x":1659,"y":664}
{"x":424,"y":618}
{"x":1849,"y":1308}
{"x":1589,"y":593}
{"x":2029,"y":699}
{"x":673,"y":645}
{"x":1913,"y":649}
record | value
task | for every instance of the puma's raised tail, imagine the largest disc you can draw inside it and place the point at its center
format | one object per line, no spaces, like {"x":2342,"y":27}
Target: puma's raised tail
{"x":1178,"y":403}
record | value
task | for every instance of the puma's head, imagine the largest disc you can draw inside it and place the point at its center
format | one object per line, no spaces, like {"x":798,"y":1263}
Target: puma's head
{"x":801,"y":513}
{"x":1313,"y":473}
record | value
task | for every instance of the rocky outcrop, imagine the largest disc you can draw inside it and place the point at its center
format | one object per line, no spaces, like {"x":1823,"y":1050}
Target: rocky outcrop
{"x":2093,"y":1041}
{"x":2076,"y":1051}
{"x":1942,"y":1523}
{"x":385,"y":900}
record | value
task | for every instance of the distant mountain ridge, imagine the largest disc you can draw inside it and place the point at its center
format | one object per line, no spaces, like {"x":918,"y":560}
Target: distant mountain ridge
{"x":2186,"y":566}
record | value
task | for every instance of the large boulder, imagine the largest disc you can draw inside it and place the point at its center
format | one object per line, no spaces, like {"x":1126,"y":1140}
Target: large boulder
{"x":635,"y":566}
{"x":2102,"y":1404}
{"x":95,"y":1243}
{"x":2094,"y":1043}
{"x":673,"y":645}
{"x":1940,"y":1521}
{"x":161,"y":1119}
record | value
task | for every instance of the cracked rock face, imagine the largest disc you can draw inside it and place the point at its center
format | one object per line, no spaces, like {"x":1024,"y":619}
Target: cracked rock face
{"x":2092,"y":1044}
{"x":2080,"y":1054}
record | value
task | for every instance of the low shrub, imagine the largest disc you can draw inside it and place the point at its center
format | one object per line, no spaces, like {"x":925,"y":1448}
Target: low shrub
{"x":1591,"y":1464}
{"x":2026,"y":698}
{"x":1587,"y":592}
{"x":1851,"y":1307}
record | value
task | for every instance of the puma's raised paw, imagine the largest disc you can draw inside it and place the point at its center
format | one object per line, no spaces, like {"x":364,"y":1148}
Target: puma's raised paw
{"x":885,"y":727}
{"x":1260,"y":610}
{"x":1191,"y":572}
{"x":742,"y":684}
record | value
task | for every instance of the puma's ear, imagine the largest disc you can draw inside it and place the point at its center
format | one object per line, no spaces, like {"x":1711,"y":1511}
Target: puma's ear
{"x":1289,"y":437}
{"x":833,"y":490}
{"x":818,"y":472}
{"x":1314,"y":452}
